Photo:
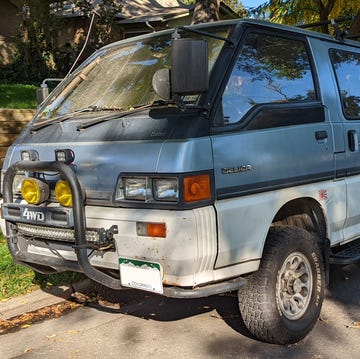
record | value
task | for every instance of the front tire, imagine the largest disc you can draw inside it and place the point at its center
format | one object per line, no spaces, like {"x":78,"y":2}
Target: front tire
{"x":282,"y":300}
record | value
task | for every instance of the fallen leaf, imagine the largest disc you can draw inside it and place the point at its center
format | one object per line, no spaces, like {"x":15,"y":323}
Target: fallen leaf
{"x":73,"y":331}
{"x":80,"y":297}
{"x":355,"y":325}
{"x":25,"y":326}
{"x":25,"y":320}
{"x":215,"y":316}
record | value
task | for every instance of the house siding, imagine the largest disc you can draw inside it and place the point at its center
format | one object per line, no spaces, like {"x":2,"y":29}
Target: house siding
{"x":11,"y":123}
{"x":9,"y":27}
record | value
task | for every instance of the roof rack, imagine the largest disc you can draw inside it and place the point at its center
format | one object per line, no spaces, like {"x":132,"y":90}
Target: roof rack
{"x":340,"y":35}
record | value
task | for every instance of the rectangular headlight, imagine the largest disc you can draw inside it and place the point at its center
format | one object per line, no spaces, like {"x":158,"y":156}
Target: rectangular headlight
{"x":18,"y":179}
{"x":136,"y":189}
{"x":166,"y":189}
{"x":147,"y":189}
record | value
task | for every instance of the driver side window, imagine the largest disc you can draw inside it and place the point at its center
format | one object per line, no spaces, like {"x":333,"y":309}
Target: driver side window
{"x":270,"y":69}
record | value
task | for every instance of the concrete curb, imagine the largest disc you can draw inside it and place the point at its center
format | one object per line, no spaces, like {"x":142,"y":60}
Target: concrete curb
{"x":41,"y":298}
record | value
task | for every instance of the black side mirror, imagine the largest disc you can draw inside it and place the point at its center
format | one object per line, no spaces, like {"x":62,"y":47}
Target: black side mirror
{"x":189,"y":67}
{"x":189,"y":74}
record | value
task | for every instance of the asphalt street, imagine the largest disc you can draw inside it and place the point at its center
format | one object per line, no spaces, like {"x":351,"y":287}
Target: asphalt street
{"x":149,"y":325}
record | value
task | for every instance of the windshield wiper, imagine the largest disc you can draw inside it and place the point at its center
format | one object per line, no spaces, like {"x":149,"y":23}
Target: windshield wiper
{"x":121,"y":114}
{"x":67,"y":116}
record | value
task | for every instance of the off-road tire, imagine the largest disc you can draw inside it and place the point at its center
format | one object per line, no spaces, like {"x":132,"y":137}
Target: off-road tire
{"x":282,"y":300}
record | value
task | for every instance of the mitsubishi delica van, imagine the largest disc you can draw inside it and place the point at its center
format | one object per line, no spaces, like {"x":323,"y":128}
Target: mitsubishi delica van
{"x":196,"y":161}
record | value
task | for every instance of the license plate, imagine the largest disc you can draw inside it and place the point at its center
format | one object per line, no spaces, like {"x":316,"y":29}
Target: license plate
{"x":141,"y":275}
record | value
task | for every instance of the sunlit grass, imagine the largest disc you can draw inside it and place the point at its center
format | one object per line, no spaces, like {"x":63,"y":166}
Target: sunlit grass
{"x":17,"y":96}
{"x":17,"y":279}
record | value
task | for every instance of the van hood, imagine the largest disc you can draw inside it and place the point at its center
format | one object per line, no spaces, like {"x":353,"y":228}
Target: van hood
{"x":132,"y":145}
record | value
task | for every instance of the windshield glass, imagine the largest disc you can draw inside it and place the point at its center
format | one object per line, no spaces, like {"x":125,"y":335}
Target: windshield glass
{"x":120,"y":77}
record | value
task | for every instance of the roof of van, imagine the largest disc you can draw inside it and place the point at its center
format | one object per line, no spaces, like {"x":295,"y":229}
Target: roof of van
{"x":257,"y":23}
{"x":299,"y":30}
{"x":291,"y":28}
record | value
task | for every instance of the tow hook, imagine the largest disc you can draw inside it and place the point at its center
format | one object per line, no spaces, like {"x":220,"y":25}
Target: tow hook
{"x":106,"y":238}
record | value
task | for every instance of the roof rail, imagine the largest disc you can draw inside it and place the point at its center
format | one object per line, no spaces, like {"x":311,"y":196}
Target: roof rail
{"x":340,"y":35}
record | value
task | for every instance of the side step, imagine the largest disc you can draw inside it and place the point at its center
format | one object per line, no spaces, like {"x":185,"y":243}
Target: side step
{"x":350,"y":253}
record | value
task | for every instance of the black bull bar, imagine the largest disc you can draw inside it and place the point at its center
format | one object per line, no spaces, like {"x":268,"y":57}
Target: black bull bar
{"x":80,"y":232}
{"x":78,"y":212}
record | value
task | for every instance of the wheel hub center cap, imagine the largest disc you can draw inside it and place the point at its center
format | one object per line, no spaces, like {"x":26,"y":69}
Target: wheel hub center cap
{"x":297,"y":286}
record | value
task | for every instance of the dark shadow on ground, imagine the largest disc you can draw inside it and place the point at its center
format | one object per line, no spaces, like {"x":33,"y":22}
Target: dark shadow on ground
{"x":156,"y":307}
{"x":344,"y":289}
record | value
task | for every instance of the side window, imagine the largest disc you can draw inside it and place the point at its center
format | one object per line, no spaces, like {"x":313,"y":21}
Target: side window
{"x":269,"y":69}
{"x":347,"y":70}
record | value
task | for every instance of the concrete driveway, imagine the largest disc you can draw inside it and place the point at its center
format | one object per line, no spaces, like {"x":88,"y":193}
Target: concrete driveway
{"x":149,"y":325}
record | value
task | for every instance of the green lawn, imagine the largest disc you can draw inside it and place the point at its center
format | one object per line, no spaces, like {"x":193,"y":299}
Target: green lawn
{"x":14,"y":279}
{"x":17,"y":279}
{"x":17,"y":96}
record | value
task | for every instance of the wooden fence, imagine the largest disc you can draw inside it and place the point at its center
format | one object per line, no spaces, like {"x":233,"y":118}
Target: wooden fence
{"x":11,"y":123}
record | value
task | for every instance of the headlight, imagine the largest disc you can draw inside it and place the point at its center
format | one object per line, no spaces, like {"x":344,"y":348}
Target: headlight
{"x":34,"y":191}
{"x":147,"y":189}
{"x":63,"y":193}
{"x":136,"y":189}
{"x":166,"y":189}
{"x":181,"y":191}
{"x":17,"y":181}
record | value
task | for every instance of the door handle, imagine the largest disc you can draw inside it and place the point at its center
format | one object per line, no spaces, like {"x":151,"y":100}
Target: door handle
{"x":321,"y":135}
{"x":353,"y":141}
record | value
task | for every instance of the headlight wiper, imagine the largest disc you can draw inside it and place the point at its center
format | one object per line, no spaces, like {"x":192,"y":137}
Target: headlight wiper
{"x":67,"y":116}
{"x":121,"y":114}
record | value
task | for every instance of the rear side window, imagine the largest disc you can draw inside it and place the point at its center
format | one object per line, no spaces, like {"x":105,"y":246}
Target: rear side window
{"x":347,"y":71}
{"x":270,"y":69}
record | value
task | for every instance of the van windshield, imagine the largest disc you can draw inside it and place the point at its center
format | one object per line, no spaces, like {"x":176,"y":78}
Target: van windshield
{"x":119,"y":77}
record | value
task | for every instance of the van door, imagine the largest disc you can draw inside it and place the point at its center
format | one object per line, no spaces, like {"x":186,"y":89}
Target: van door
{"x":346,"y":66}
{"x":275,"y":135}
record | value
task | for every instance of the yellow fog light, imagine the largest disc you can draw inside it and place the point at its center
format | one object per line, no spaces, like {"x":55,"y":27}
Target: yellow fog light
{"x":63,"y":193}
{"x":34,"y":191}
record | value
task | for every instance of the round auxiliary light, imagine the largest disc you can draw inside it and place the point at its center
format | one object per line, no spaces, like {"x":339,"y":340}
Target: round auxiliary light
{"x":34,"y":191}
{"x":63,"y":193}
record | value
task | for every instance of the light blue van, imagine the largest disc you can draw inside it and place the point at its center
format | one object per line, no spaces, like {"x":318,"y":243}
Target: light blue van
{"x":202,"y":160}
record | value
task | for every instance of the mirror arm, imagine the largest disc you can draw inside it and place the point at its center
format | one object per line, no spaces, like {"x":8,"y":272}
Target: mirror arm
{"x":43,"y":91}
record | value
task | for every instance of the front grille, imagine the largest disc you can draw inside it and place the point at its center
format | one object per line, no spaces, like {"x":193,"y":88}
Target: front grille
{"x":56,"y":234}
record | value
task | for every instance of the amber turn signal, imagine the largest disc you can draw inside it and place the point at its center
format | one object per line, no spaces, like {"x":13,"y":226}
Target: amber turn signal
{"x":197,"y":188}
{"x":148,"y":229}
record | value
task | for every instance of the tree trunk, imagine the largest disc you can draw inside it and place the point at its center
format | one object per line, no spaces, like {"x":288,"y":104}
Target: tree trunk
{"x":206,"y":11}
{"x":324,"y":12}
{"x":355,"y":27}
